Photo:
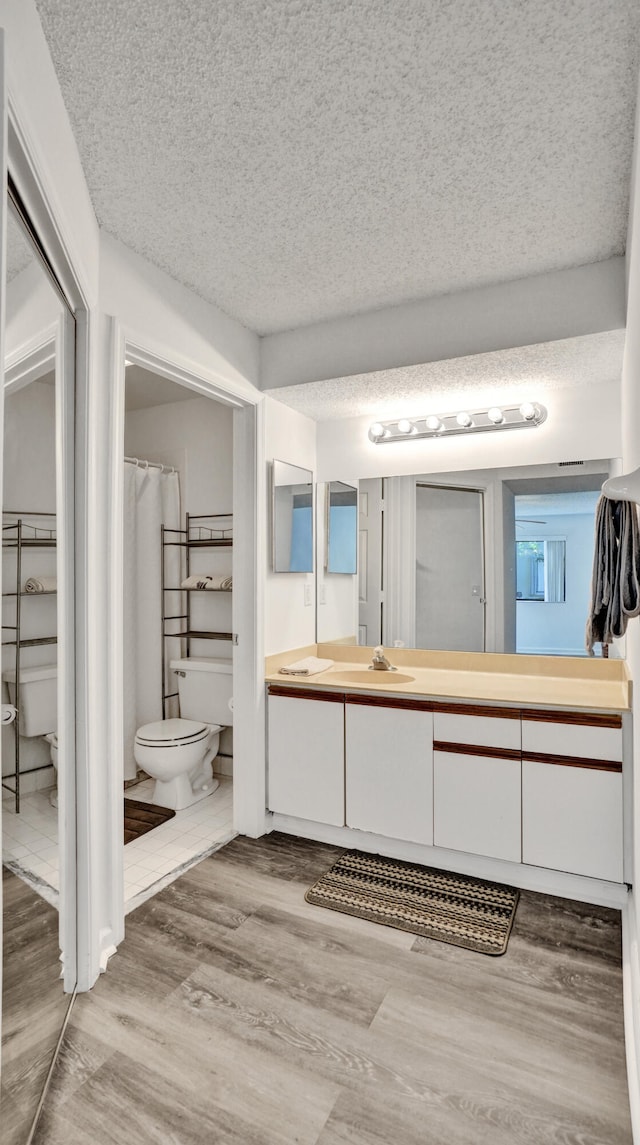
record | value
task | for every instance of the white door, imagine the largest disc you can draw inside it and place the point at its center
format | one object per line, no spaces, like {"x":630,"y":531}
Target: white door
{"x":449,"y":569}
{"x":370,"y":561}
{"x":306,"y":758}
{"x":477,"y":802}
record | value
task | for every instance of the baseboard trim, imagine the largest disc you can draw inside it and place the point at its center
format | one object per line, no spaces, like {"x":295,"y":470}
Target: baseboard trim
{"x":631,"y":991}
{"x":564,"y":885}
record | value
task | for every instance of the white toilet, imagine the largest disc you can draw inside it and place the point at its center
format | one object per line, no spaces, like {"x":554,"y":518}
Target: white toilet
{"x":178,"y":753}
{"x":37,"y":706}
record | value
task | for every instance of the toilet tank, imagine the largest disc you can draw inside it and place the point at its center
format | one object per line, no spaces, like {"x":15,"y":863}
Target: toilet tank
{"x":205,"y":687}
{"x":37,"y":701}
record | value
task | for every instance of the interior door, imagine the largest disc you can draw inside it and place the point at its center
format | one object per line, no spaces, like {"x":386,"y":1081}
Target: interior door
{"x":450,"y":576}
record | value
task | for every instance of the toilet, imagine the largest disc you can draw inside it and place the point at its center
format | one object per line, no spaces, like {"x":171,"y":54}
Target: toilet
{"x":178,"y":753}
{"x":37,"y":707}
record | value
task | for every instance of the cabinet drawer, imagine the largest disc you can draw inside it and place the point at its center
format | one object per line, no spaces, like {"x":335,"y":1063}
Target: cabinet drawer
{"x":480,"y":730}
{"x":584,"y":740}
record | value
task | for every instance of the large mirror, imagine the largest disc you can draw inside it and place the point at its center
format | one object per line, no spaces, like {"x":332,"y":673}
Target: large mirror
{"x":38,"y":897}
{"x":292,"y":518}
{"x":337,"y":563}
{"x":486,"y":560}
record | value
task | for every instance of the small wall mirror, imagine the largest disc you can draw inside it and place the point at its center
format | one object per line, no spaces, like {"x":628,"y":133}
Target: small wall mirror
{"x":342,"y":528}
{"x":292,"y":518}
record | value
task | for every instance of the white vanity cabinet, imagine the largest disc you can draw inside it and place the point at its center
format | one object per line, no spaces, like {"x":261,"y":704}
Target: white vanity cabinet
{"x":306,"y":755}
{"x":389,"y":767}
{"x":477,"y":781}
{"x":572,"y":818}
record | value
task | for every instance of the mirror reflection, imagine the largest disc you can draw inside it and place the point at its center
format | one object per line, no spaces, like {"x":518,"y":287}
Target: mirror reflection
{"x":487,"y":560}
{"x":34,"y":1003}
{"x":342,"y":528}
{"x":292,"y":517}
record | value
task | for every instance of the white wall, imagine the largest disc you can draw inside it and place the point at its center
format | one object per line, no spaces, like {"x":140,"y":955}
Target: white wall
{"x":558,"y":629}
{"x":582,"y":424}
{"x":289,"y":621}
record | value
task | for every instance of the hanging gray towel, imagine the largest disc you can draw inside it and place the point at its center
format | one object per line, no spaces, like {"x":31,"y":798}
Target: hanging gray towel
{"x":615,"y":583}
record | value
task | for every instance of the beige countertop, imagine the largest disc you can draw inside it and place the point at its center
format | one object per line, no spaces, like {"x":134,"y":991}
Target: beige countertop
{"x":523,"y":681}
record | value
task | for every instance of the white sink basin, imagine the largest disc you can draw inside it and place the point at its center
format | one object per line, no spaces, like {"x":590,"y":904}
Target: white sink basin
{"x":371,"y":677}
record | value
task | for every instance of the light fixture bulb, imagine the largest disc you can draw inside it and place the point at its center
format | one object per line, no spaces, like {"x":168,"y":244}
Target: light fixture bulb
{"x":377,"y":430}
{"x":433,"y":422}
{"x":528,"y":411}
{"x":464,"y":419}
{"x":405,"y":426}
{"x":495,"y":415}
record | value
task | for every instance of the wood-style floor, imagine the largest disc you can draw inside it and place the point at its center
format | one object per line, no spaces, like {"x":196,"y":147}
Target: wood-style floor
{"x":33,"y":1004}
{"x":236,"y":1013}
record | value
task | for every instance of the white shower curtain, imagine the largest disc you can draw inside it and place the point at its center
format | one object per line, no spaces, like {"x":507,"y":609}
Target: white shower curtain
{"x":151,"y":499}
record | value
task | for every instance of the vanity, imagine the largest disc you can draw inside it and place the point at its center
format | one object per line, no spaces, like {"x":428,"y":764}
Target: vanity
{"x":515,"y":767}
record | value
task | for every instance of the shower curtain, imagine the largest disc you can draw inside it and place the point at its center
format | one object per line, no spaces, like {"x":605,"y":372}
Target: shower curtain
{"x":151,"y":499}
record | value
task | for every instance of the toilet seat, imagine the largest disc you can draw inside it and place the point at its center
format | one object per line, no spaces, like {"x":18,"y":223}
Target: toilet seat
{"x":173,"y":733}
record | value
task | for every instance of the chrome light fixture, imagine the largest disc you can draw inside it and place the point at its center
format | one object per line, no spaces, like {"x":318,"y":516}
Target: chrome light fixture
{"x":527,"y":415}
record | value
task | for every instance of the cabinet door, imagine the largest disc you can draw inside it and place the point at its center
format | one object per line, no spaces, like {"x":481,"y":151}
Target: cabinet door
{"x":476,"y":803}
{"x":389,"y":772}
{"x":306,"y":759}
{"x":572,"y":819}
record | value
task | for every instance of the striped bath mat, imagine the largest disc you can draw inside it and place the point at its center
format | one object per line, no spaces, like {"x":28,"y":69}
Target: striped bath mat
{"x":452,"y":908}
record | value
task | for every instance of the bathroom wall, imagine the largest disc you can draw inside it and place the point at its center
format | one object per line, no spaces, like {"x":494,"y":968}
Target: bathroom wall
{"x":30,"y":485}
{"x":558,"y":629}
{"x":290,"y":616}
{"x":196,"y":437}
{"x":582,"y":424}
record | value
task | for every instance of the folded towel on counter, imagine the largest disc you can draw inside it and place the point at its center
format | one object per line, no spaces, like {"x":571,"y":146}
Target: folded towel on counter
{"x":215,"y":583}
{"x":40,"y":584}
{"x":307,"y":667}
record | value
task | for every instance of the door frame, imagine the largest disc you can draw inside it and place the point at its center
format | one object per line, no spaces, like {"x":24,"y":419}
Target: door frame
{"x":249,"y":492}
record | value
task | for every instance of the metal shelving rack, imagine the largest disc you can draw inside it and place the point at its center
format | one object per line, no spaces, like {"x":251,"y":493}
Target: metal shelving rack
{"x":207,"y":538}
{"x":18,"y":536}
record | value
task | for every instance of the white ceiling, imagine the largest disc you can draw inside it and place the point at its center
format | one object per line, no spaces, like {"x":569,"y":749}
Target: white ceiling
{"x":544,"y":505}
{"x":144,"y":389}
{"x":295,"y":160}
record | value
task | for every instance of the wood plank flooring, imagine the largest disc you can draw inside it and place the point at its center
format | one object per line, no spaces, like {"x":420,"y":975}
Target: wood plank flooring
{"x":236,"y":1013}
{"x":33,"y":1003}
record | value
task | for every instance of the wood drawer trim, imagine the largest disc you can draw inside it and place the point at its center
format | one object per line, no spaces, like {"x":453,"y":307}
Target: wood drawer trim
{"x":408,"y":703}
{"x":476,"y":749}
{"x":572,"y":761}
{"x":303,"y":694}
{"x":477,"y":710}
{"x":584,"y":719}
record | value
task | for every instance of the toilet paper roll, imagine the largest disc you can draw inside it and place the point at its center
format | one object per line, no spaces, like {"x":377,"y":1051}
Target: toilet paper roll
{"x":9,"y":713}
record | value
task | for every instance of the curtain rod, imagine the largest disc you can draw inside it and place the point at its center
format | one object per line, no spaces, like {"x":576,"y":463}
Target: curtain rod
{"x":150,"y":465}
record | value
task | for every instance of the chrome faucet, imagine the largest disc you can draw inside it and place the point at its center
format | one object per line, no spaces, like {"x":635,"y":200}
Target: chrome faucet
{"x":380,"y":662}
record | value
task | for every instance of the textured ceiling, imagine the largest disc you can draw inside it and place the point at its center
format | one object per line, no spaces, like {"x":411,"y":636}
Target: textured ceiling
{"x":19,"y":250}
{"x":527,"y":371}
{"x":543,"y":505}
{"x":296,"y":160}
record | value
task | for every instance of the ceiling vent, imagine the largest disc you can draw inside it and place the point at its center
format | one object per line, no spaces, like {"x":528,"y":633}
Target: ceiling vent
{"x":562,"y":464}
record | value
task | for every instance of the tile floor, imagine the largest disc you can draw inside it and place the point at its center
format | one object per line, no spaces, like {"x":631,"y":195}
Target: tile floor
{"x":30,"y":842}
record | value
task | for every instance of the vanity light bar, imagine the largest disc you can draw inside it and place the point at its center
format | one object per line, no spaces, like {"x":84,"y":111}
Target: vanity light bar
{"x":524,"y":416}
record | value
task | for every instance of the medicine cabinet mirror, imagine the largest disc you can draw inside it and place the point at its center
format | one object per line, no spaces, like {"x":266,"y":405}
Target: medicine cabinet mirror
{"x":292,"y":518}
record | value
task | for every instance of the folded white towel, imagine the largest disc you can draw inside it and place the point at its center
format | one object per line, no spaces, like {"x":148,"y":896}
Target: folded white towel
{"x":307,"y":667}
{"x":206,"y":581}
{"x":40,"y":584}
